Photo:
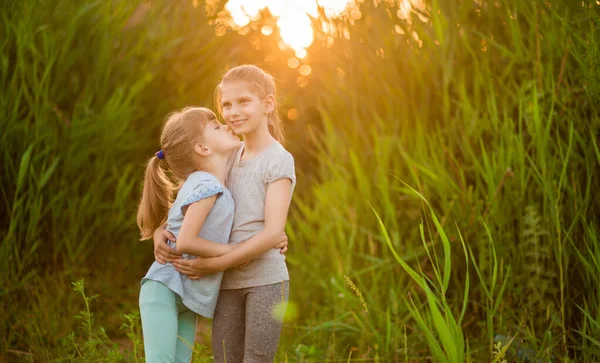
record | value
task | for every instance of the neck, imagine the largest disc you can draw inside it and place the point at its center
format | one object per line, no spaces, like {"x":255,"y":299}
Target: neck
{"x":257,"y":141}
{"x":217,"y":166}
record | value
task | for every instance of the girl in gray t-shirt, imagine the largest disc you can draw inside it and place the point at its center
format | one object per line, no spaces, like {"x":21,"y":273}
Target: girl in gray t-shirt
{"x":195,"y":147}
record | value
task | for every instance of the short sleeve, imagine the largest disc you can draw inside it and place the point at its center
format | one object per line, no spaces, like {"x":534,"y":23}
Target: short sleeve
{"x":203,"y":189}
{"x":281,"y":166}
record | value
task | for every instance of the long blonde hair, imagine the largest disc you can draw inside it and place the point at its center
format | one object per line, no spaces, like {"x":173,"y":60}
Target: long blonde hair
{"x":264,"y":85}
{"x":181,"y":131}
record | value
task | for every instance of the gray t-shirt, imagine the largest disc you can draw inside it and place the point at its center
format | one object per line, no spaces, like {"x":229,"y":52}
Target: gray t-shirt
{"x":248,"y":181}
{"x":200,"y":296}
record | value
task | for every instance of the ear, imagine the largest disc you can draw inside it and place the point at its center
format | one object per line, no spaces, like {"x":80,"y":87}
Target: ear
{"x":202,"y":150}
{"x":269,"y":104}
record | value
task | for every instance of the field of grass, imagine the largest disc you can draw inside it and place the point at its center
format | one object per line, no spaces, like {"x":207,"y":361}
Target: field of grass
{"x":446,"y":207}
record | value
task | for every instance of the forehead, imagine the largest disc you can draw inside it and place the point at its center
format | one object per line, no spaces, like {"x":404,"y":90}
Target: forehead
{"x":210,"y":127}
{"x":239,"y":89}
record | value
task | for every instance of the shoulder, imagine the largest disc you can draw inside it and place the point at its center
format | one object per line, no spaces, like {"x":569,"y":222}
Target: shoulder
{"x":279,"y":164}
{"x":202,"y":184}
{"x":278,"y":153}
{"x":201,"y":178}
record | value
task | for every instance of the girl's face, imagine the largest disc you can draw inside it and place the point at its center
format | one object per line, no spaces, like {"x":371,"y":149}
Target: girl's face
{"x":243,"y":110}
{"x":219,"y":138}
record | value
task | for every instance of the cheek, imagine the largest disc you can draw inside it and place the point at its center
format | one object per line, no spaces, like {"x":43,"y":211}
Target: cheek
{"x":251,"y":108}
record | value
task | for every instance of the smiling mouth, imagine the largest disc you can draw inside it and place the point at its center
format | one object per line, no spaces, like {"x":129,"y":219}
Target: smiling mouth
{"x":237,"y":123}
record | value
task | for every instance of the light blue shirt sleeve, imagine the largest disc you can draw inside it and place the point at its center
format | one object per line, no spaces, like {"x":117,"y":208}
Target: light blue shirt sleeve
{"x":203,"y":189}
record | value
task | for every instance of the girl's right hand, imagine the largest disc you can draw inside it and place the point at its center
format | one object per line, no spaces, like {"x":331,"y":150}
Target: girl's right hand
{"x":162,"y":252}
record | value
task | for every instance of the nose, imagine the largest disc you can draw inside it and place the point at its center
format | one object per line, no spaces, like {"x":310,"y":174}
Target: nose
{"x":229,"y":130}
{"x":234,"y":111}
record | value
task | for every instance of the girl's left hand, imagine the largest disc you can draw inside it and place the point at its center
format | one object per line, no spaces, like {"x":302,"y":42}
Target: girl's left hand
{"x":283,"y":246}
{"x":197,"y":268}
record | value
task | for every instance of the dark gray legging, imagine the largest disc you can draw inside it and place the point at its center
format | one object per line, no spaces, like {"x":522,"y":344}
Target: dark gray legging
{"x":244,"y":329}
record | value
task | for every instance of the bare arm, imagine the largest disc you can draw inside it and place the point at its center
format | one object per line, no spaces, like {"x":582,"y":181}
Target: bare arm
{"x":188,"y":240}
{"x":277,"y":204}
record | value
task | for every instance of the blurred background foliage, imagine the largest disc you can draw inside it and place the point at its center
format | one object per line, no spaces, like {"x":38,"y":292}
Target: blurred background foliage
{"x":447,"y":155}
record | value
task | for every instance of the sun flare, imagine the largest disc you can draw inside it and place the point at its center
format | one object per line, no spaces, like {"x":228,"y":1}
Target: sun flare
{"x":293,"y":17}
{"x":297,"y":20}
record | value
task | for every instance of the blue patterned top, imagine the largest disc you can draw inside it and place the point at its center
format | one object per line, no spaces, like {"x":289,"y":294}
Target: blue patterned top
{"x":201,"y":295}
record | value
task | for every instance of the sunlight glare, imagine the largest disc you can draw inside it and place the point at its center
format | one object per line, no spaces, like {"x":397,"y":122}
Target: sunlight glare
{"x":334,"y":8}
{"x":276,"y":7}
{"x":305,"y":70}
{"x":266,"y":30}
{"x":310,"y":8}
{"x":293,"y":17}
{"x":355,"y":14}
{"x":293,"y":114}
{"x":252,"y":9}
{"x":301,"y":53}
{"x":238,"y":15}
{"x":420,"y":4}
{"x":220,"y":30}
{"x":293,"y":62}
{"x":295,"y":29}
{"x":404,"y":10}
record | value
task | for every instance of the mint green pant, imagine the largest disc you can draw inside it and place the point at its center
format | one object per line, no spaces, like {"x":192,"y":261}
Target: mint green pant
{"x":169,"y":327}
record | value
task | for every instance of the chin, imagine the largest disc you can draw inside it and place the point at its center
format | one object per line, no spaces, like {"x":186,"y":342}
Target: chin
{"x":241,"y":131}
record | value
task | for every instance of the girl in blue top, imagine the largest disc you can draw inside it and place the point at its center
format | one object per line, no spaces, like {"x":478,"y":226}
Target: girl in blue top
{"x":196,"y":148}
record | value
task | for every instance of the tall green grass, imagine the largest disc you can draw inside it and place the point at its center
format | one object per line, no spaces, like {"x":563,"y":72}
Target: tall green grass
{"x":492,"y":120}
{"x":71,"y":129}
{"x":445,"y":208}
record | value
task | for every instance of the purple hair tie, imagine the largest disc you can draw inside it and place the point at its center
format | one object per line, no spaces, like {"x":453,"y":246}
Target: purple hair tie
{"x":160,"y":154}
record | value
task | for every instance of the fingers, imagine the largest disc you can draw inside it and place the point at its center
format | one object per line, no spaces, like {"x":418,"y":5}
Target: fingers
{"x":167,"y":251}
{"x":161,"y":255}
{"x":164,"y":258}
{"x":283,"y":250}
{"x":185,"y":267}
{"x":183,"y":263}
{"x":159,"y":259}
{"x":165,"y":254}
{"x":172,"y":255}
{"x":168,"y":235}
{"x":182,"y":269}
{"x":284,"y":243}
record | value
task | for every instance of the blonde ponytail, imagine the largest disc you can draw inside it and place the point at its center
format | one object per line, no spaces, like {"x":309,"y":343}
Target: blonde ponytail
{"x":156,"y":199}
